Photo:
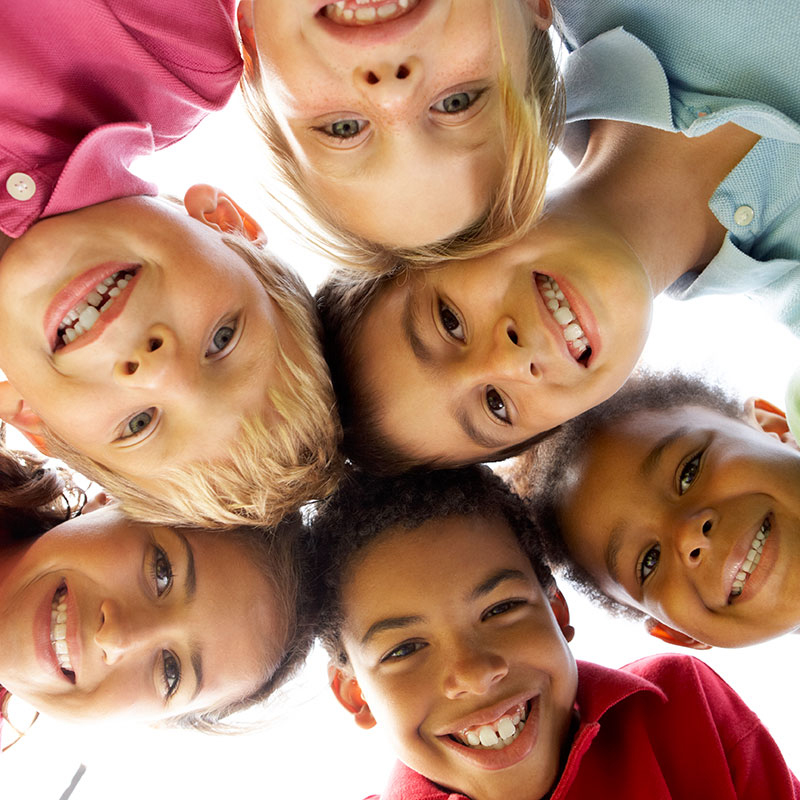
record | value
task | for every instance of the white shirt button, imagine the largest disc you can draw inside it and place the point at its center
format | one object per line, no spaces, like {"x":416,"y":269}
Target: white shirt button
{"x":21,"y":186}
{"x":743,"y":215}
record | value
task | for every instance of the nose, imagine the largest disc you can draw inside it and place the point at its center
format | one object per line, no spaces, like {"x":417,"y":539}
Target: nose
{"x":692,"y":536}
{"x":473,"y":670}
{"x":150,"y":359}
{"x":122,"y":633}
{"x":506,"y":356}
{"x":389,"y":84}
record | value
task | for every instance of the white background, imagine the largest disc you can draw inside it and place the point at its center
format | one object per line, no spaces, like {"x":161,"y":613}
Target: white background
{"x":309,"y":746}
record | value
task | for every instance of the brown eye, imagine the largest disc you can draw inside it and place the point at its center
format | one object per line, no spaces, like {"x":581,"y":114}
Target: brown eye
{"x":450,"y":322}
{"x":496,"y":405}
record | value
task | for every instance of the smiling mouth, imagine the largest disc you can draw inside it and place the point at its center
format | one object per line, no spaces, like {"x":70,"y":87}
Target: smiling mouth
{"x":558,"y":305}
{"x":497,"y":735}
{"x":82,"y":317}
{"x":751,"y":560}
{"x":366,"y":12}
{"x":58,"y":631}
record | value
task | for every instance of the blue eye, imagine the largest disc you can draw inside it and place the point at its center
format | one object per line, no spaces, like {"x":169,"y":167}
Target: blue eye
{"x":161,"y":570}
{"x":222,"y":338}
{"x":689,"y":472}
{"x":648,"y":563}
{"x":171,"y":673}
{"x":404,"y":650}
{"x":138,"y":423}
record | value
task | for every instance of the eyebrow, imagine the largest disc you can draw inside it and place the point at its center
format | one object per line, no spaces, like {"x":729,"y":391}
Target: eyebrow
{"x":494,"y":580}
{"x":190,"y":592}
{"x":474,"y":433}
{"x":421,"y":350}
{"x":390,"y":623}
{"x":612,"y":551}
{"x":652,"y":459}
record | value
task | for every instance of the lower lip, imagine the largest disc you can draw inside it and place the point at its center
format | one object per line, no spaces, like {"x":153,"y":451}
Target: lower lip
{"x":507,"y":757}
{"x":378,"y":32}
{"x":75,"y":292}
{"x":584,"y":317}
{"x":769,"y":557}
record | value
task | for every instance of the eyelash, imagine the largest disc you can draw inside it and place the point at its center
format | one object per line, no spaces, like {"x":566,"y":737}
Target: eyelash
{"x":159,"y":557}
{"x":503,"y":607}
{"x":171,"y":673}
{"x":446,"y":312}
{"x":473,"y":95}
{"x":128,"y":433}
{"x":689,"y":472}
{"x":394,"y":655}
{"x":643,"y":563}
{"x":361,"y":124}
{"x":233,"y":326}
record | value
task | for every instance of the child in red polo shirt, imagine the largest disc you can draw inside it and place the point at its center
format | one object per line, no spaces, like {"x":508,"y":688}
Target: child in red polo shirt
{"x":447,"y":629}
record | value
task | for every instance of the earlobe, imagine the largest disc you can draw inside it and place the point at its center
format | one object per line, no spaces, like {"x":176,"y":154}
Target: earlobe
{"x":217,"y":210}
{"x":15,"y":411}
{"x":770,"y":419}
{"x":671,"y":636}
{"x":542,"y":13}
{"x":347,"y":691}
{"x":561,"y":612}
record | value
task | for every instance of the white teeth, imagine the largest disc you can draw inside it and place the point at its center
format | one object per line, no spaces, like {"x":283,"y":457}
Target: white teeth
{"x":752,"y":559}
{"x":473,"y":738}
{"x":58,"y":630}
{"x":506,"y":728}
{"x":487,"y":736}
{"x":365,"y":12}
{"x":556,"y":302}
{"x":83,"y":316}
{"x":497,"y":735}
{"x":387,"y":10}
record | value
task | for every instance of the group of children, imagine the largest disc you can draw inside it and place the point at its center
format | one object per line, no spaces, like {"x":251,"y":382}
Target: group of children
{"x":162,"y":350}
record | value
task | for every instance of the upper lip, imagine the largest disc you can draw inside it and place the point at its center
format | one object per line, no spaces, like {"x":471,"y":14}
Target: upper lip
{"x":370,"y":35}
{"x":737,"y":555}
{"x":485,"y":715}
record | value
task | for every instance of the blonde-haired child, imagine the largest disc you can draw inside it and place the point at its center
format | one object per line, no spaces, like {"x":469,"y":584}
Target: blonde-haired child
{"x":412,"y":130}
{"x":164,"y":349}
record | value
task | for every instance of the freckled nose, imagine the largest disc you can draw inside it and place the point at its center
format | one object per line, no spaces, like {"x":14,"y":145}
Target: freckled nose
{"x":389,"y":84}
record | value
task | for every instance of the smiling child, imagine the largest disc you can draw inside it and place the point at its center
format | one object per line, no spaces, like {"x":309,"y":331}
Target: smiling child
{"x":678,"y":504}
{"x":163,"y":351}
{"x":446,"y":629}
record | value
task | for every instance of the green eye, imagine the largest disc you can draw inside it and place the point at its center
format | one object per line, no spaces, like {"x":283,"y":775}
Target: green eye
{"x":138,"y":423}
{"x":457,"y":102}
{"x":345,"y":128}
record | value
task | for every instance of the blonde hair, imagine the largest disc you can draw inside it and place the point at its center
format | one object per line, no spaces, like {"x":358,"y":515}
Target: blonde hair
{"x":532,"y":126}
{"x":271,"y":469}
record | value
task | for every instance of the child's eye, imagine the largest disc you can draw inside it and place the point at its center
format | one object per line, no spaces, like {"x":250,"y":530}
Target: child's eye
{"x":496,"y":404}
{"x":457,"y":102}
{"x":161,"y":570}
{"x":222,"y":338}
{"x":138,"y":423}
{"x":689,"y":472}
{"x":451,"y":323}
{"x":403,"y":651}
{"x":502,"y":608}
{"x":343,"y":128}
{"x":171,"y":673}
{"x":648,"y":563}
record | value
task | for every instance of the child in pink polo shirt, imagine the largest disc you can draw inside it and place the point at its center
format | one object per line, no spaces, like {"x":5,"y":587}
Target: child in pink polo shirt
{"x":141,"y":340}
{"x":446,"y":629}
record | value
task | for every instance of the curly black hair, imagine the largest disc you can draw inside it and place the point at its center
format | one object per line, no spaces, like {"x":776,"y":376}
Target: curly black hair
{"x":538,"y":475}
{"x":366,"y":506}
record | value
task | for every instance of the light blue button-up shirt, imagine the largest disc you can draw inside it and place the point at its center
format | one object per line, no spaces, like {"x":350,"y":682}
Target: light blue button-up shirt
{"x":690,"y":66}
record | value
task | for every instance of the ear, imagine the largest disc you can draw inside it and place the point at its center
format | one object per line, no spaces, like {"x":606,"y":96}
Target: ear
{"x":762,"y":414}
{"x":661,"y":631}
{"x":347,"y":691}
{"x":542,"y":13}
{"x":214,"y":208}
{"x":244,"y":17}
{"x":561,"y":612}
{"x":15,"y":411}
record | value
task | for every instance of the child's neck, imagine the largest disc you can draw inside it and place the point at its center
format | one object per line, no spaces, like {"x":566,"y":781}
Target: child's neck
{"x":653,"y":188}
{"x":5,"y":241}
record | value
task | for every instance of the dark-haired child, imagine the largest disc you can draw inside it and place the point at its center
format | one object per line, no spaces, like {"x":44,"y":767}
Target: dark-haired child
{"x":446,"y":628}
{"x":674,"y":502}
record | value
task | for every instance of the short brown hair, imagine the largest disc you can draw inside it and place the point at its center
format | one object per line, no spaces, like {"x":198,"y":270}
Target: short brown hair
{"x":272,"y":469}
{"x":533,"y":121}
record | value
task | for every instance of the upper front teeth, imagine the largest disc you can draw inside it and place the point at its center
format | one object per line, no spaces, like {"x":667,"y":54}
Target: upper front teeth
{"x":58,"y":629}
{"x":559,"y":306}
{"x":83,"y":317}
{"x":365,"y":12}
{"x":753,"y":557}
{"x":497,"y":735}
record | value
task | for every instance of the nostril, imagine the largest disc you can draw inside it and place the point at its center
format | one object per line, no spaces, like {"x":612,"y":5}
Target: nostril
{"x":131,"y":367}
{"x":707,"y":526}
{"x":154,"y":344}
{"x":372,"y":78}
{"x":402,"y":72}
{"x":512,"y":334}
{"x":695,"y":554}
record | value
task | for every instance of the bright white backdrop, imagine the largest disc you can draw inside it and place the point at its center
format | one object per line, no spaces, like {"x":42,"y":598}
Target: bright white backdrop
{"x":310,"y":748}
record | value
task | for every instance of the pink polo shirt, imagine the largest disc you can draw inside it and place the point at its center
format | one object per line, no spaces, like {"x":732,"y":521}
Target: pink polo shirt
{"x":88,"y":85}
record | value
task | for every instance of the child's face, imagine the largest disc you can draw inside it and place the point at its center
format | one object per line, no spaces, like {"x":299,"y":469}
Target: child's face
{"x":158,"y":621}
{"x":664,"y":508}
{"x":167,"y":372}
{"x":467,"y":359}
{"x":448,"y":630}
{"x":396,"y":122}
